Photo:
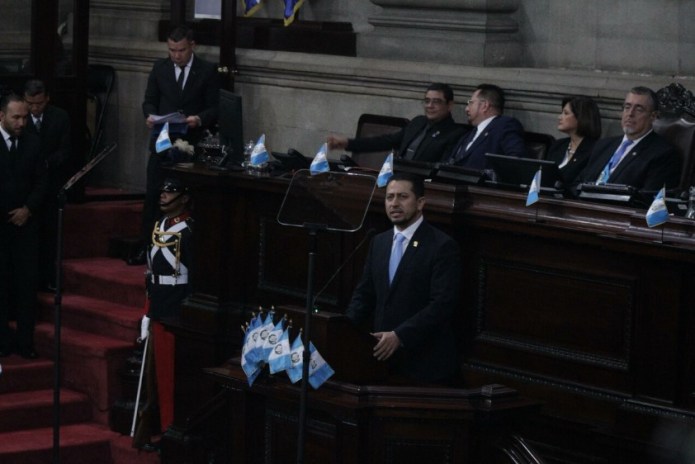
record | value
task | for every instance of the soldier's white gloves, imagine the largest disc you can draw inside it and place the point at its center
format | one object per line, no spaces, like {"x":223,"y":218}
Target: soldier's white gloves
{"x":144,"y":328}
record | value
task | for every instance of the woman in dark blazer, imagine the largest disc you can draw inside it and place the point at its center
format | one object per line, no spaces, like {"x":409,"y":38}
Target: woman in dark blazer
{"x":581,"y":120}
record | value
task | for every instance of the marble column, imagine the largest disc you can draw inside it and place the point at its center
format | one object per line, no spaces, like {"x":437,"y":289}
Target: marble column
{"x":464,"y":32}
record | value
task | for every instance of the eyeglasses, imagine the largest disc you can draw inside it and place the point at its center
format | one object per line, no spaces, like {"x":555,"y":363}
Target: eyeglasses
{"x":433,"y":101}
{"x":470,"y":102}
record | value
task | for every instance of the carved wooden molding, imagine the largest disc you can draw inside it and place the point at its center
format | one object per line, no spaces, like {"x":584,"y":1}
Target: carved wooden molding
{"x":675,"y":99}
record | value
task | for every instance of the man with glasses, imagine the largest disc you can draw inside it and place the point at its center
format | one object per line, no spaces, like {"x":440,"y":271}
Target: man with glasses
{"x":493,"y":132}
{"x":640,"y":157}
{"x":425,"y":138}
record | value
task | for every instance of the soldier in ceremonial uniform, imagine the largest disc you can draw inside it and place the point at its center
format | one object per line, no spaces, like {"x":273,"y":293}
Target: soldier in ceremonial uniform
{"x":168,"y":263}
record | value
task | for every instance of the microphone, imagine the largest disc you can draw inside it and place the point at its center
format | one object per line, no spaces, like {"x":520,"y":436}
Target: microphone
{"x":368,"y":235}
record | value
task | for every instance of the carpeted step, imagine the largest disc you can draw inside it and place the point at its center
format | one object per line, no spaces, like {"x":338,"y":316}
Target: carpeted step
{"x":87,"y":227}
{"x":90,"y":364}
{"x":123,"y":452}
{"x":106,"y":278}
{"x":79,"y":444}
{"x":20,"y":374}
{"x":34,"y":409}
{"x":93,"y":315}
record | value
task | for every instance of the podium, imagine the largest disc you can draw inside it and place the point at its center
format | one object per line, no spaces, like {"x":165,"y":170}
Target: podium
{"x":360,"y":415}
{"x":341,"y":344}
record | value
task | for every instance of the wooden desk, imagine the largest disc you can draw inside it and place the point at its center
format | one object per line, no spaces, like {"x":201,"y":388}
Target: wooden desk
{"x":576,"y":304}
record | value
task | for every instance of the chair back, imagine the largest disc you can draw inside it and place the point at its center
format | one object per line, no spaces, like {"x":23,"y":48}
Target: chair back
{"x":537,"y":144}
{"x":371,"y":125}
{"x":676,"y":123}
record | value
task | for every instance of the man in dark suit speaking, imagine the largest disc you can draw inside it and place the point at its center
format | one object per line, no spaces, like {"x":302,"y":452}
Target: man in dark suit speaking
{"x":184,"y":83}
{"x":492,"y":132}
{"x":410,"y":287}
{"x":426,"y":138}
{"x":640,"y":157}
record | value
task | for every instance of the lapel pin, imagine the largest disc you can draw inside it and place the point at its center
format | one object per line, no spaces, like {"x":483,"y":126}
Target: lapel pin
{"x":415,"y":244}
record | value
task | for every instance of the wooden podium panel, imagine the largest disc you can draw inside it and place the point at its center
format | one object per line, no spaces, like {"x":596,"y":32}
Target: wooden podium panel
{"x":348,"y":423}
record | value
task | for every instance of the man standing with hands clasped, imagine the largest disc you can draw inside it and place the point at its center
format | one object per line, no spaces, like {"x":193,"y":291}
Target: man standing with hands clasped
{"x":410,"y":286}
{"x":22,"y":188}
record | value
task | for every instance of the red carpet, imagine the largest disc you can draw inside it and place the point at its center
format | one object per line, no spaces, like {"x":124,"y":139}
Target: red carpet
{"x":101,"y":308}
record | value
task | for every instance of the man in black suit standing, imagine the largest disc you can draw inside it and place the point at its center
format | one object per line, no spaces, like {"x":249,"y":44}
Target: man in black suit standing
{"x":493,"y":131}
{"x":22,"y":187}
{"x":184,"y":83}
{"x":410,"y":287}
{"x":426,"y":138}
{"x":640,"y":157}
{"x":52,"y":125}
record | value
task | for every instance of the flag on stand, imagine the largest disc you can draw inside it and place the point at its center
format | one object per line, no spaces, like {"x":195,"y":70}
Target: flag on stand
{"x":386,"y":171}
{"x":163,"y":140}
{"x":658,"y":213}
{"x":259,"y":155}
{"x":272,"y":339}
{"x":320,"y":162}
{"x":319,"y":370}
{"x":279,"y":358}
{"x":296,"y":359}
{"x":251,"y":6}
{"x":534,"y":190}
{"x":263,"y":333}
{"x":291,"y":8}
{"x":249,"y":365}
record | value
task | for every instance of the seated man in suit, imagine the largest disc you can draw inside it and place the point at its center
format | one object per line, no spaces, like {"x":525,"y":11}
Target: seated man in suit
{"x":409,"y":289}
{"x":640,"y":157}
{"x":425,"y":138}
{"x":494,"y":132}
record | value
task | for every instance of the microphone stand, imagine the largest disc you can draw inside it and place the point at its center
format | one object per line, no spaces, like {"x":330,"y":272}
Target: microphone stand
{"x":306,"y":355}
{"x":57,"y":302}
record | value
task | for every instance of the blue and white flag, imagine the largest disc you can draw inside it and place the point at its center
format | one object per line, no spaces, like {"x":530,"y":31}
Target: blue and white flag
{"x":248,"y":364}
{"x":272,"y":340}
{"x":253,"y":333}
{"x":264,"y":332}
{"x":534,"y":190}
{"x":163,"y":140}
{"x":291,"y":8}
{"x":658,"y":213}
{"x":320,"y":163}
{"x":259,"y":155}
{"x":386,"y":171}
{"x":296,"y":360}
{"x":279,"y":358}
{"x":251,"y":6}
{"x":319,"y":370}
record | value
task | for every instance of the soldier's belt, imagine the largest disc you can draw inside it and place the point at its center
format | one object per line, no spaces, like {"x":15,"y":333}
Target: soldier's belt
{"x":169,"y":279}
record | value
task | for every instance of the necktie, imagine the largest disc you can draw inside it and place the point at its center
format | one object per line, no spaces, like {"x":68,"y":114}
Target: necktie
{"x":613,"y":162}
{"x":13,"y":144}
{"x":182,"y":76}
{"x":412,"y":148}
{"x":462,"y":146}
{"x":396,"y":255}
{"x":37,"y":124}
